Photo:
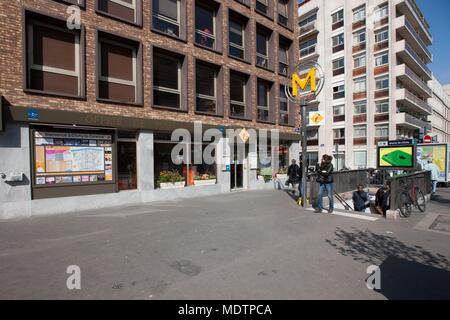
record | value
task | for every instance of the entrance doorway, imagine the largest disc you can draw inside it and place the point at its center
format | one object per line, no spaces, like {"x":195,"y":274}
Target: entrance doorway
{"x":127,"y":173}
{"x":237,"y":168}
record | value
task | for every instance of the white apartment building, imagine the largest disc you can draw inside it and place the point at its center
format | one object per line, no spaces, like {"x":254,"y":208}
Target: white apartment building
{"x":440,"y":120}
{"x":374,"y":54}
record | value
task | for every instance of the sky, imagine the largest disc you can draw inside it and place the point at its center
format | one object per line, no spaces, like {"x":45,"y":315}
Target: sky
{"x":437,"y":13}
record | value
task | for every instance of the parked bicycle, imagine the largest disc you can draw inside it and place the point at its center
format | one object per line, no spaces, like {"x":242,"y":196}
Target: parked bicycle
{"x":411,"y":196}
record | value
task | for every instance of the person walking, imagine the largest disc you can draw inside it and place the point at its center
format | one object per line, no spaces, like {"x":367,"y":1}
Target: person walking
{"x":326,"y":182}
{"x":360,"y":199}
{"x":430,"y":166}
{"x":294,"y":175}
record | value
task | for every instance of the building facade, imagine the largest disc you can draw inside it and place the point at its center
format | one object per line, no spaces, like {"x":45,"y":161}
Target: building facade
{"x":89,"y":104}
{"x":375,"y":55}
{"x":440,"y":120}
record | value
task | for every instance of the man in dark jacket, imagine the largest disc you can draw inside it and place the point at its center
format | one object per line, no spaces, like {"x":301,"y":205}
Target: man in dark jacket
{"x":360,"y":199}
{"x":294,"y":175}
{"x":325,"y":179}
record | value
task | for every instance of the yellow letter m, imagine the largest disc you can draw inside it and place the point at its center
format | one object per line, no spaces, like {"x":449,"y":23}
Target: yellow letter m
{"x":297,"y":81}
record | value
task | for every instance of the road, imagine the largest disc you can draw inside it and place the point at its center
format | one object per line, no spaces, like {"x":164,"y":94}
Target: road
{"x":246,"y":245}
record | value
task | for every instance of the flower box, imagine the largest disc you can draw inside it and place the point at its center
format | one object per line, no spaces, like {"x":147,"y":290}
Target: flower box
{"x":282,"y":176}
{"x":172,"y":185}
{"x":206,"y":182}
{"x":261,"y":178}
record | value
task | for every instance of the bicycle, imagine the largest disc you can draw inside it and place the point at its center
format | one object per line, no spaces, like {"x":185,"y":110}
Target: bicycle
{"x":411,"y":195}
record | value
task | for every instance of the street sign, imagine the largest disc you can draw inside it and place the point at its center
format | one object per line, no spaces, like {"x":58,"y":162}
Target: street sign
{"x":427,"y":139}
{"x":244,"y":135}
{"x":316,"y":118}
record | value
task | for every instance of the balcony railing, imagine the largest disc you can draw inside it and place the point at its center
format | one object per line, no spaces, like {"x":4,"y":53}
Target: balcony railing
{"x":420,"y":17}
{"x":418,"y":80}
{"x":417,"y":37}
{"x":417,"y":58}
{"x":424,"y":105}
{"x":310,"y":26}
{"x":405,"y":118}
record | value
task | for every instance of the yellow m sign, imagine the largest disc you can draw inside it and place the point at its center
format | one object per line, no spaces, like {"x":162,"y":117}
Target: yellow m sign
{"x":298,"y":82}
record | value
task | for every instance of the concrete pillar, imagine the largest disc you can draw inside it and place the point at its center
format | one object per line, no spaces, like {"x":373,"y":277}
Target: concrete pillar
{"x":252,"y":172}
{"x":294,"y":151}
{"x":223,"y":152}
{"x":145,"y":161}
{"x":15,"y":158}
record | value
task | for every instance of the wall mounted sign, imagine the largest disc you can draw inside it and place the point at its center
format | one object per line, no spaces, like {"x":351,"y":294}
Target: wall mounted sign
{"x":316,"y":118}
{"x":306,"y":82}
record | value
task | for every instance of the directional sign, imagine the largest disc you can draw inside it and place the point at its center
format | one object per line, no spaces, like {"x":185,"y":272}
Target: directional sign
{"x":244,"y":135}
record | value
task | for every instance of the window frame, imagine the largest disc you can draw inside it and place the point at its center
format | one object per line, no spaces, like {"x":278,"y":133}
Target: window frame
{"x":166,"y":89}
{"x":260,"y":55}
{"x":357,"y":105}
{"x":136,"y":6}
{"x":178,"y":23}
{"x":381,"y":103}
{"x":384,"y":127}
{"x":214,"y":36}
{"x":362,"y":57}
{"x":236,"y":46}
{"x":381,"y":55}
{"x":357,"y":85}
{"x":357,"y":13}
{"x":381,"y":79}
{"x":206,"y":97}
{"x":308,"y":48}
{"x":282,"y":88}
{"x":245,"y":87}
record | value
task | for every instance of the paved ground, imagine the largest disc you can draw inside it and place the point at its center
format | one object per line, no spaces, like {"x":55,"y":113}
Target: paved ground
{"x":250,"y":245}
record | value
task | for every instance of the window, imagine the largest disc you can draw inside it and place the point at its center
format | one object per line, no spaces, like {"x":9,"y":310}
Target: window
{"x":284,"y":106}
{"x":262,"y":49}
{"x":338,"y":66}
{"x":126,"y":10}
{"x":382,"y":36}
{"x":338,"y":17}
{"x":382,"y":107}
{"x":262,"y":6}
{"x":338,"y":92}
{"x":166,"y":80}
{"x":359,"y":37}
{"x":308,"y":20}
{"x":359,"y":14}
{"x":308,"y":47}
{"x":205,"y":26}
{"x":359,"y":61}
{"x":360,"y":159}
{"x":382,"y":59}
{"x":118,"y":66}
{"x":360,"y":85}
{"x":382,"y":131}
{"x":382,"y":83}
{"x":206,"y":85}
{"x":360,"y":131}
{"x":263,"y":101}
{"x":339,"y":133}
{"x":360,"y":108}
{"x":338,"y":43}
{"x":283,"y":16}
{"x":381,"y":13}
{"x":54,"y":57}
{"x":236,"y":35}
{"x":283,"y":56}
{"x":166,"y":16}
{"x":238,"y":86}
{"x":339,"y":110}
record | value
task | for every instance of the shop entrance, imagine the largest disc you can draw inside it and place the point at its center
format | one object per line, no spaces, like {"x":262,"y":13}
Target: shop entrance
{"x":126,"y":165}
{"x":237,"y":168}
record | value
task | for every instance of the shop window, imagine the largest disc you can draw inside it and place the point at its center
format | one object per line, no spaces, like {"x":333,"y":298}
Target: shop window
{"x":55,"y":60}
{"x":166,"y":15}
{"x":119,"y":69}
{"x":124,"y":10}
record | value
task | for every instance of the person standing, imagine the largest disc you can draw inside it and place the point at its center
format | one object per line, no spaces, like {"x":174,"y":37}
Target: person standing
{"x":430,"y":166}
{"x":294,"y":175}
{"x":326,"y":182}
{"x":360,"y":199}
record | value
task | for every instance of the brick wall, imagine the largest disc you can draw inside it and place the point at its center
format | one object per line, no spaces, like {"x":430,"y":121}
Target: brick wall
{"x":12,"y":66}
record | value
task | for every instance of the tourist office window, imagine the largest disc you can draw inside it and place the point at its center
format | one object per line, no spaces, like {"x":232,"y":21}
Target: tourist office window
{"x":167,"y":85}
{"x":205,"y":25}
{"x":125,"y":10}
{"x":283,"y":12}
{"x":338,"y":66}
{"x":360,"y":61}
{"x":72,"y":158}
{"x":54,"y":57}
{"x":308,"y":47}
{"x":206,"y":87}
{"x":237,"y":37}
{"x":284,"y":106}
{"x":263,"y":101}
{"x":167,"y":16}
{"x":338,"y":43}
{"x":119,"y":69}
{"x":262,"y":48}
{"x":238,"y":94}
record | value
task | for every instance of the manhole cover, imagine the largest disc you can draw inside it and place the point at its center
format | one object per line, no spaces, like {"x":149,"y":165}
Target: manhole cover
{"x":442,"y":223}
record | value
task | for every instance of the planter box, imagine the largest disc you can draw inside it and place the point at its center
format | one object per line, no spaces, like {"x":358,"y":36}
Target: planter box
{"x":170,"y":185}
{"x":260,"y":178}
{"x":282,"y":176}
{"x":204,"y":182}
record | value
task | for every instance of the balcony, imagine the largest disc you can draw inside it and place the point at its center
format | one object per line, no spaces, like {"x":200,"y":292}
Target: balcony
{"x":360,"y":118}
{"x":413,"y":14}
{"x":359,"y":95}
{"x":380,"y":70}
{"x":308,"y":29}
{"x":409,"y":100}
{"x":359,"y":141}
{"x":412,"y":81}
{"x":358,"y":24}
{"x":359,"y":47}
{"x":410,"y":57}
{"x":411,"y":122}
{"x":359,"y":71}
{"x":309,"y":53}
{"x":407,"y":31}
{"x":382,"y":117}
{"x":384,"y":93}
{"x":380,"y":45}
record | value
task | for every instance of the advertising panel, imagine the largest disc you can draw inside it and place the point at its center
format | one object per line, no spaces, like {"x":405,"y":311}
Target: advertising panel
{"x":437,"y":154}
{"x":396,"y":157}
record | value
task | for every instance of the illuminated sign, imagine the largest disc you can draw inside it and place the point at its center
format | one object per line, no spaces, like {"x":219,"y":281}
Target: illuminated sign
{"x":305,"y":83}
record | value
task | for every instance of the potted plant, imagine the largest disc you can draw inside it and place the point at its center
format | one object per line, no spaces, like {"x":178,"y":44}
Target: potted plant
{"x":170,"y":180}
{"x":282,"y":174}
{"x":266,"y":174}
{"x":204,"y":180}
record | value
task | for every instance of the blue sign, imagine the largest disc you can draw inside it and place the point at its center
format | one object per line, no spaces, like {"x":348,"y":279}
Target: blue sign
{"x":227,"y":168}
{"x":222,"y":129}
{"x":33,"y":114}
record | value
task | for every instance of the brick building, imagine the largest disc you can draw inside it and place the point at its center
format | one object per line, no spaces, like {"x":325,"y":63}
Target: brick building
{"x":88,"y":112}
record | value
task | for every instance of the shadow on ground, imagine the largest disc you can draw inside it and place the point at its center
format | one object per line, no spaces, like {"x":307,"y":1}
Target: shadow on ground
{"x":407,"y":272}
{"x":440,"y":199}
